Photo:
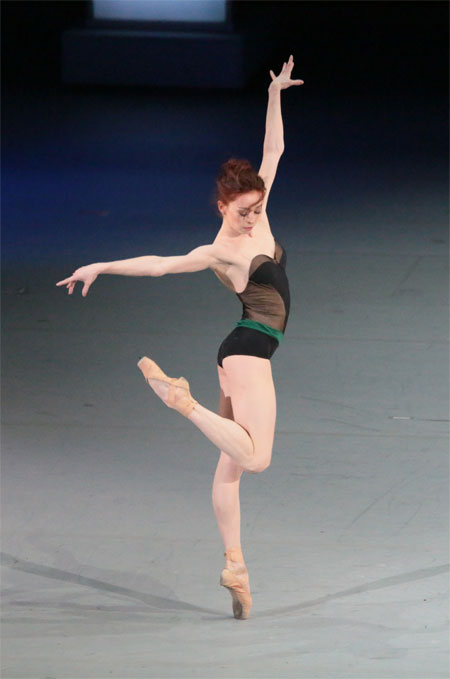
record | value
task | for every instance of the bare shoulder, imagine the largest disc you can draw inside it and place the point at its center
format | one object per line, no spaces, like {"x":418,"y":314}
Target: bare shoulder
{"x":223,"y":253}
{"x":237,"y":252}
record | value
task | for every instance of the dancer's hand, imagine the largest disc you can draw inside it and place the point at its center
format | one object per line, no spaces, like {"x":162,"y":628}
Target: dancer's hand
{"x":283,"y":81}
{"x":85,"y":274}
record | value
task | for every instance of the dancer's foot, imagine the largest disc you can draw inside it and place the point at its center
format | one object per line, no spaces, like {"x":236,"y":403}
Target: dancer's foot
{"x":235,"y":578}
{"x":173,"y":391}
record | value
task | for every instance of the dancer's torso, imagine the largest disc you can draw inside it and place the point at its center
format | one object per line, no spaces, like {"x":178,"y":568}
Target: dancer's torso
{"x":260,"y":282}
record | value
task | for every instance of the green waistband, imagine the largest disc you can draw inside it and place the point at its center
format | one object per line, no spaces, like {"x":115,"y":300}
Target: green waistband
{"x":262,"y":327}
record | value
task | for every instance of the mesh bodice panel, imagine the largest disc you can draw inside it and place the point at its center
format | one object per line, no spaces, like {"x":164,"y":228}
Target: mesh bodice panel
{"x":266,"y":297}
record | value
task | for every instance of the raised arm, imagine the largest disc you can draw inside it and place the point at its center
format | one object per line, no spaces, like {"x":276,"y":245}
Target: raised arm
{"x":274,"y":138}
{"x":203,"y":257}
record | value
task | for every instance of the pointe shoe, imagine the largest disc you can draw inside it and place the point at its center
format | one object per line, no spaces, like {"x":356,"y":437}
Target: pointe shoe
{"x":184,"y":403}
{"x":242,"y":600}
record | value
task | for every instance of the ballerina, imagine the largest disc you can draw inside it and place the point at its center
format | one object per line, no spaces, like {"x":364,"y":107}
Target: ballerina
{"x":247,"y":260}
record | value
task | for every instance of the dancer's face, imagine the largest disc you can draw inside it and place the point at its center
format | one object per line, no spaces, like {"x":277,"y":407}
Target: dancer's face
{"x":242,"y":214}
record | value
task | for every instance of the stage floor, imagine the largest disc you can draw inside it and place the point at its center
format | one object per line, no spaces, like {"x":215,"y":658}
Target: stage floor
{"x":111,"y":553}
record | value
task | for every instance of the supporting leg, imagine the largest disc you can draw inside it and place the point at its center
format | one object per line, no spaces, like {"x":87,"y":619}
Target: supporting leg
{"x":227,"y":507}
{"x":225,"y":496}
{"x":225,"y":499}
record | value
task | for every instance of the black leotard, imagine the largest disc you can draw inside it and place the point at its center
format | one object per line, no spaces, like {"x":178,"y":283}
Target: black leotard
{"x":265,"y":308}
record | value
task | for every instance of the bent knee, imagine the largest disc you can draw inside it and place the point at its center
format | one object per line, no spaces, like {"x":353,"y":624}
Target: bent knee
{"x":261,"y":458}
{"x":257,"y":467}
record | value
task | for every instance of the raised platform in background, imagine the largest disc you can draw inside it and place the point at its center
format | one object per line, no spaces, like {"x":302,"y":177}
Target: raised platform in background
{"x":158,"y":58}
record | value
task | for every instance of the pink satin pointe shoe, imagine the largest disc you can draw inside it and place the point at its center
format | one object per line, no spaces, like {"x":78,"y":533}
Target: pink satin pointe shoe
{"x":184,"y":402}
{"x":236,"y":585}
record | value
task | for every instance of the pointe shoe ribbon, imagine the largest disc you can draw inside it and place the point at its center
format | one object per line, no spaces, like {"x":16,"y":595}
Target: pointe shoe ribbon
{"x":184,"y":403}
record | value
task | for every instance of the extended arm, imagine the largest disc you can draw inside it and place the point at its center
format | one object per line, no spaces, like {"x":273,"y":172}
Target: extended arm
{"x":203,"y":257}
{"x":274,"y":139}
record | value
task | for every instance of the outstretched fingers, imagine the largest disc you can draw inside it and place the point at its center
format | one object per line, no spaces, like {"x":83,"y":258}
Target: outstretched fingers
{"x":66,"y":281}
{"x":70,"y":285}
{"x":289,"y":66}
{"x":284,"y":78}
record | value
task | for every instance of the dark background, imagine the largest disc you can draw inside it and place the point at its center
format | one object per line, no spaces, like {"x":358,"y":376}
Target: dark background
{"x":371,"y":47}
{"x":368,"y":128}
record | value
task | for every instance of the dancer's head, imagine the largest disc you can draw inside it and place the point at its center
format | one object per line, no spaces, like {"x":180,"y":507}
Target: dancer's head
{"x":239,"y":195}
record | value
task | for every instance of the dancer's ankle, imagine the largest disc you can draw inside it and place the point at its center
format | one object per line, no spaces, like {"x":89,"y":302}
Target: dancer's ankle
{"x":235,"y":559}
{"x":234,"y":553}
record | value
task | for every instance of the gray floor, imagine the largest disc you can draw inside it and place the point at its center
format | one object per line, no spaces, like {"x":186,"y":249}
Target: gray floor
{"x":110,"y":548}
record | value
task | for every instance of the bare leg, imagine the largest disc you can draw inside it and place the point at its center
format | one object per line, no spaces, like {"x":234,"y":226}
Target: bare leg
{"x":245,"y":444}
{"x":225,"y":498}
{"x":227,"y":435}
{"x":226,"y":503}
{"x":225,"y":490}
{"x":248,"y":439}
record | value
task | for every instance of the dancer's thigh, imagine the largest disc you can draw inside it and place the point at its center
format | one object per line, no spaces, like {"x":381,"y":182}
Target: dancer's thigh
{"x":227,"y":469}
{"x":249,"y":384}
{"x":225,"y":407}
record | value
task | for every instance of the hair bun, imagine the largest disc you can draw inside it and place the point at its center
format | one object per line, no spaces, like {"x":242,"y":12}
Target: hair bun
{"x":237,"y":176}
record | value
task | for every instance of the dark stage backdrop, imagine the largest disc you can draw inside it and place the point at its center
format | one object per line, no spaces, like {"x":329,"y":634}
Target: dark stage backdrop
{"x":82,"y":161}
{"x":369,"y":46}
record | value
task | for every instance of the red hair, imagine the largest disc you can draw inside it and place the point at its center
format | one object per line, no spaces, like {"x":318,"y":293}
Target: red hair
{"x":237,"y":176}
